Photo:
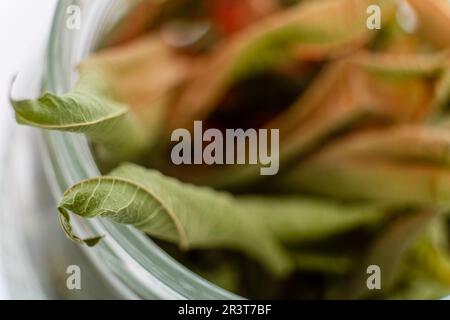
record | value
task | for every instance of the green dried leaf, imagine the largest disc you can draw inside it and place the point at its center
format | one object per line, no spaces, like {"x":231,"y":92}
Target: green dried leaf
{"x":201,"y":218}
{"x":119,"y":102}
{"x":104,"y":121}
{"x":190,"y":216}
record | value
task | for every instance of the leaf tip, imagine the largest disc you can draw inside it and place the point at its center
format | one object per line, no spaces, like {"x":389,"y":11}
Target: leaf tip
{"x":64,"y":219}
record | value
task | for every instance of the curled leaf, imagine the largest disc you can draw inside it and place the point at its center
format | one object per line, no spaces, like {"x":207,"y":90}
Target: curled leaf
{"x":102,"y":120}
{"x":191,"y":216}
{"x":119,"y":102}
{"x":64,"y":219}
{"x":201,"y":218}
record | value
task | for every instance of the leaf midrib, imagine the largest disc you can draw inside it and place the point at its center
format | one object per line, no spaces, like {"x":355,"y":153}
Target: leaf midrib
{"x":24,"y":120}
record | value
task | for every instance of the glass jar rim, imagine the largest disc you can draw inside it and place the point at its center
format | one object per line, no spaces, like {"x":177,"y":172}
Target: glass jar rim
{"x":133,"y":262}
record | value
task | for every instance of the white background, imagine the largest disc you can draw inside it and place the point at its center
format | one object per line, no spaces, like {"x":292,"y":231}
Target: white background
{"x":23,"y":25}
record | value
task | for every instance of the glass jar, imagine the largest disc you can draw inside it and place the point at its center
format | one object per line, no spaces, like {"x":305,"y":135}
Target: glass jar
{"x":133,"y":265}
{"x":126,"y":264}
